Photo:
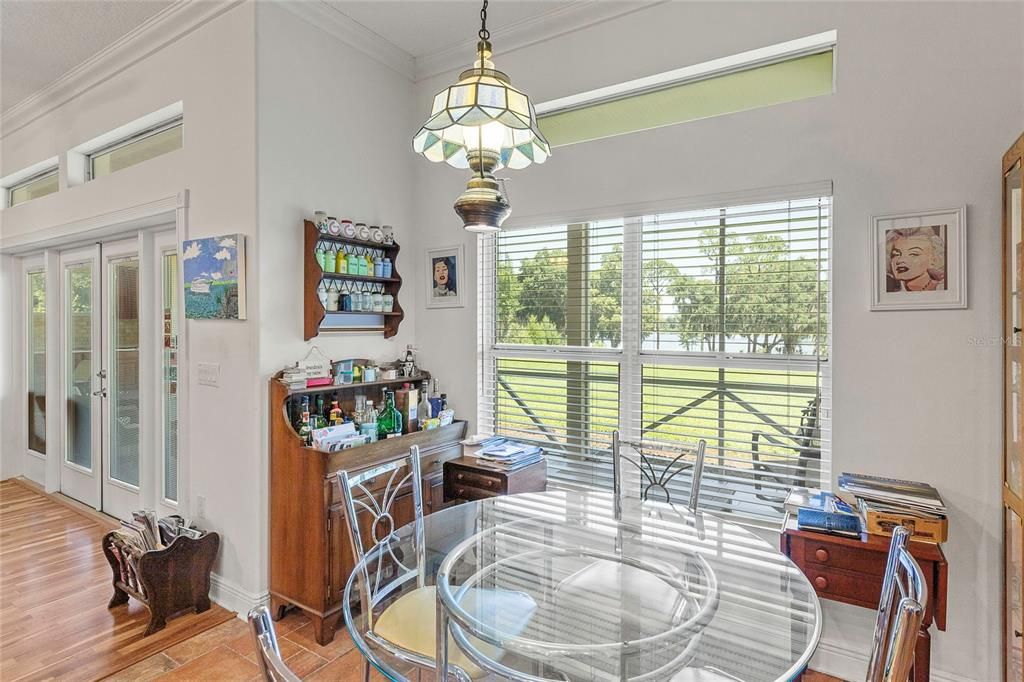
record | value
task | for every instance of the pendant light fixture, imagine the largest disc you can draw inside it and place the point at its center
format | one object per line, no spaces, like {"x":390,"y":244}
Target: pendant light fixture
{"x":484,"y":124}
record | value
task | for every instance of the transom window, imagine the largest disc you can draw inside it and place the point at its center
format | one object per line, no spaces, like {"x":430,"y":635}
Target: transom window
{"x":148,"y":144}
{"x":705,"y":323}
{"x":39,"y":185}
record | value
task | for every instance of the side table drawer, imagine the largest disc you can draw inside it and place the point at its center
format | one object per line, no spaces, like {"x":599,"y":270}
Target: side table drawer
{"x":476,"y":479}
{"x":843,"y":585}
{"x":812,"y":553}
{"x":464,"y":492}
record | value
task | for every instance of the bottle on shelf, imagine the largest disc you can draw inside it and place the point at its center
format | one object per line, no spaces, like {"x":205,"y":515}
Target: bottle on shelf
{"x":435,"y":401}
{"x":368,"y":422}
{"x":423,"y":409}
{"x":444,"y":401}
{"x":305,"y":429}
{"x":409,"y":363}
{"x":336,"y":416}
{"x":389,"y":421}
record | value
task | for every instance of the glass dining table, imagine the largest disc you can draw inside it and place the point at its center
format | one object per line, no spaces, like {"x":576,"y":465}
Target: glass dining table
{"x":567,"y":585}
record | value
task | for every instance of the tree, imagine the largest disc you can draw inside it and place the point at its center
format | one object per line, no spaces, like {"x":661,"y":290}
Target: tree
{"x":509,"y":294}
{"x":535,"y":332}
{"x":658,"y":277}
{"x":542,"y":287}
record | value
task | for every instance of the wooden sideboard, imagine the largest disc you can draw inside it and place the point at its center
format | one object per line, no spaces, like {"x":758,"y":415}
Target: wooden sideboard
{"x":850,"y":570}
{"x":310,"y":555}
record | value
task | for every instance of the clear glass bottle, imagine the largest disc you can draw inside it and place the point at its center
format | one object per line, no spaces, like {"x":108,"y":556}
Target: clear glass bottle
{"x":423,"y":409}
{"x":389,"y":421}
{"x":368,"y":425}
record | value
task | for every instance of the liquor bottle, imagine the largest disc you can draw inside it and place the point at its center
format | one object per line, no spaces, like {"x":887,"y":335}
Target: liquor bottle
{"x":336,"y":416}
{"x":435,"y":402}
{"x":389,"y":420}
{"x":305,"y":430}
{"x":368,"y":422}
{"x":444,"y":401}
{"x":319,"y":405}
{"x":423,"y":409}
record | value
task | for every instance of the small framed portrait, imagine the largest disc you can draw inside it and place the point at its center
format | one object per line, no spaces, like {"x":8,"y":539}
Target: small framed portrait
{"x":919,"y":260}
{"x":446,"y":273}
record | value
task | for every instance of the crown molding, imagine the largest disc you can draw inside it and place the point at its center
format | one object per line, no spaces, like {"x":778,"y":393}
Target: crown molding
{"x":155,"y":34}
{"x":567,"y":18}
{"x":351,"y":32}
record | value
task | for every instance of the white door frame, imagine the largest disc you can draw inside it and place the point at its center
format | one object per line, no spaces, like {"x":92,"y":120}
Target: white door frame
{"x":139,"y":219}
{"x":76,"y":481}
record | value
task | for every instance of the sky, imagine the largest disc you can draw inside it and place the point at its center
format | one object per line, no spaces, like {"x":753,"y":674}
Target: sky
{"x":204,"y":258}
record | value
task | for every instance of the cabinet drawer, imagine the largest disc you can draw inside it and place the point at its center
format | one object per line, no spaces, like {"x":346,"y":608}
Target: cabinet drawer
{"x":462,"y":492}
{"x":825,"y":554}
{"x":865,"y":589}
{"x":477,"y":479}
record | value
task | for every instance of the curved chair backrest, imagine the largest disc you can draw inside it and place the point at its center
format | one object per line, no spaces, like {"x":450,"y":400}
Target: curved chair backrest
{"x":900,"y":612}
{"x":268,"y":655}
{"x":378,"y":504}
{"x":657,"y":472}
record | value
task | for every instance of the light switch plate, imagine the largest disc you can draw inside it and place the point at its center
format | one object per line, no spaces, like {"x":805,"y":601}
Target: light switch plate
{"x":209,"y":374}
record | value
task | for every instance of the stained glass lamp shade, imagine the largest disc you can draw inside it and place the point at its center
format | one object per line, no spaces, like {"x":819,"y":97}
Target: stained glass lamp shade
{"x":484,"y":124}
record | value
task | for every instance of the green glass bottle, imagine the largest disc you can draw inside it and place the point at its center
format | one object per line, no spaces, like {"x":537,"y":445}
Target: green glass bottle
{"x":389,"y":421}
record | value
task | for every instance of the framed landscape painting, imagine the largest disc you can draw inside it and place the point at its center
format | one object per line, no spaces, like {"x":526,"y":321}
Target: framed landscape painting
{"x":213,"y":270}
{"x":919,"y":260}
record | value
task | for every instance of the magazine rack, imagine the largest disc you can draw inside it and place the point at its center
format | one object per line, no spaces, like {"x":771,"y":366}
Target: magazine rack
{"x":167,"y":581}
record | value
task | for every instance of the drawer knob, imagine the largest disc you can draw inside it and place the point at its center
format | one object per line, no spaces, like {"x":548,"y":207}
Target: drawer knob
{"x":821,"y":554}
{"x":460,"y":492}
{"x":821,"y":582}
{"x":459,"y":477}
{"x":488,"y":484}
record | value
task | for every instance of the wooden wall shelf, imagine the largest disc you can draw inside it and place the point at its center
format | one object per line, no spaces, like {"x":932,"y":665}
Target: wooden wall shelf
{"x":315,"y":314}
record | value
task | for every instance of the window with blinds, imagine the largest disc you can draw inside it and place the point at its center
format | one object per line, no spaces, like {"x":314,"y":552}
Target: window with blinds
{"x":671,"y":327}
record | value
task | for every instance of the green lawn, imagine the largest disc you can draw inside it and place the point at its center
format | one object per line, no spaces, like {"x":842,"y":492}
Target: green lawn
{"x":775,"y":396}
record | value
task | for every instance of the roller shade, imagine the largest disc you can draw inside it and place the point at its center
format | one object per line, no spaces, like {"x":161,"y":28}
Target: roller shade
{"x":707,"y":323}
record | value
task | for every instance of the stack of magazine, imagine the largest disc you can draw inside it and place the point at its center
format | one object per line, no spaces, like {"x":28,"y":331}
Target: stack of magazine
{"x":823,"y":512}
{"x":887,"y":502}
{"x":507,"y":455}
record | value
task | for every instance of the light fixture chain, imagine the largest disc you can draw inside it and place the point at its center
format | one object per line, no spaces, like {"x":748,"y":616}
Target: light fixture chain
{"x":484,"y":33}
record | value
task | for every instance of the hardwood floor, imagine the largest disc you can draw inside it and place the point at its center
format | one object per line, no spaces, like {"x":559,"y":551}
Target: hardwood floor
{"x":54,"y":587}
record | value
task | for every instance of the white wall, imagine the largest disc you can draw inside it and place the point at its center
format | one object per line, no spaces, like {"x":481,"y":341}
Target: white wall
{"x":210,"y":69}
{"x":928,"y":97}
{"x":334,"y":133}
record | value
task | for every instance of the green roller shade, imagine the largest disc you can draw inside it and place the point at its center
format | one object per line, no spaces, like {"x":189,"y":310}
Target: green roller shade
{"x":762,"y":86}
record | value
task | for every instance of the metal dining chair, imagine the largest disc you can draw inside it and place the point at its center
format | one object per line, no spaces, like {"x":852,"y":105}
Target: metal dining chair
{"x":656,"y":473}
{"x":405,"y":627}
{"x":268,"y":655}
{"x":900,"y":612}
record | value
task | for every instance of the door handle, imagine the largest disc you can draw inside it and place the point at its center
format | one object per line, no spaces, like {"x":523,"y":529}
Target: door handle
{"x":101,"y":393}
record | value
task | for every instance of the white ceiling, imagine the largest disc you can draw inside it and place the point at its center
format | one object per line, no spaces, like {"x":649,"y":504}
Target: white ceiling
{"x":41,"y":40}
{"x":424,"y":27}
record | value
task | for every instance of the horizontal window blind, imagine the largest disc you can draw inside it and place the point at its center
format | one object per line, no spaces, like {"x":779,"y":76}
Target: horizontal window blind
{"x":704,"y":324}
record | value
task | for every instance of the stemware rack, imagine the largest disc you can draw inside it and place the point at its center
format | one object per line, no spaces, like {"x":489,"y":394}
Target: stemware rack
{"x":317,"y":318}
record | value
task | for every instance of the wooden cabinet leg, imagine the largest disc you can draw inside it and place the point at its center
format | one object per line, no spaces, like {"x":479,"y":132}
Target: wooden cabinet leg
{"x":277,"y":607}
{"x":922,"y":656}
{"x":323,"y":629}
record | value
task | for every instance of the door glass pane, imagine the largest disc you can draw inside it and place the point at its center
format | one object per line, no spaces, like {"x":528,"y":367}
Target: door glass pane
{"x":124,"y":371}
{"x":79,"y":364}
{"x":36,"y":321}
{"x":1014,"y":406}
{"x":1014,"y":578}
{"x":169,"y":387}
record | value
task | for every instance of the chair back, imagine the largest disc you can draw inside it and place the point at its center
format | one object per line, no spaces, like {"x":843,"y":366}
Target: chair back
{"x":656,"y":472}
{"x":268,"y":655}
{"x":377,"y":507}
{"x":900,"y":612}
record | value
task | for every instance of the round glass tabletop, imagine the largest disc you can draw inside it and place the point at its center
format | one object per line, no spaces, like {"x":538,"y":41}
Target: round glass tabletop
{"x":555,"y":586}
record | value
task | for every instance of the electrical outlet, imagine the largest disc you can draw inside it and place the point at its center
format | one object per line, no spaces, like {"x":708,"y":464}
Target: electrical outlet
{"x":201,"y":506}
{"x":208,"y":373}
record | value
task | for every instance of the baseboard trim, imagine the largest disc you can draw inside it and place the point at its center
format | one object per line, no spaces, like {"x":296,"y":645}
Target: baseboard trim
{"x":234,"y":598}
{"x":838,"y":660}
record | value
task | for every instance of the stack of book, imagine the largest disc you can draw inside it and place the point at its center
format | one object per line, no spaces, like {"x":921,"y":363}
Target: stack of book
{"x":823,"y":512}
{"x":886,"y":503}
{"x":507,"y":455}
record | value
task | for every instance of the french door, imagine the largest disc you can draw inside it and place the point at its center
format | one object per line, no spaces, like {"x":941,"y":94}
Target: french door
{"x":105,"y":361}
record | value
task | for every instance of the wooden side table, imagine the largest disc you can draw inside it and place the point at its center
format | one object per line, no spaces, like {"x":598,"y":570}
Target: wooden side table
{"x":850,"y":570}
{"x":466,"y":478}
